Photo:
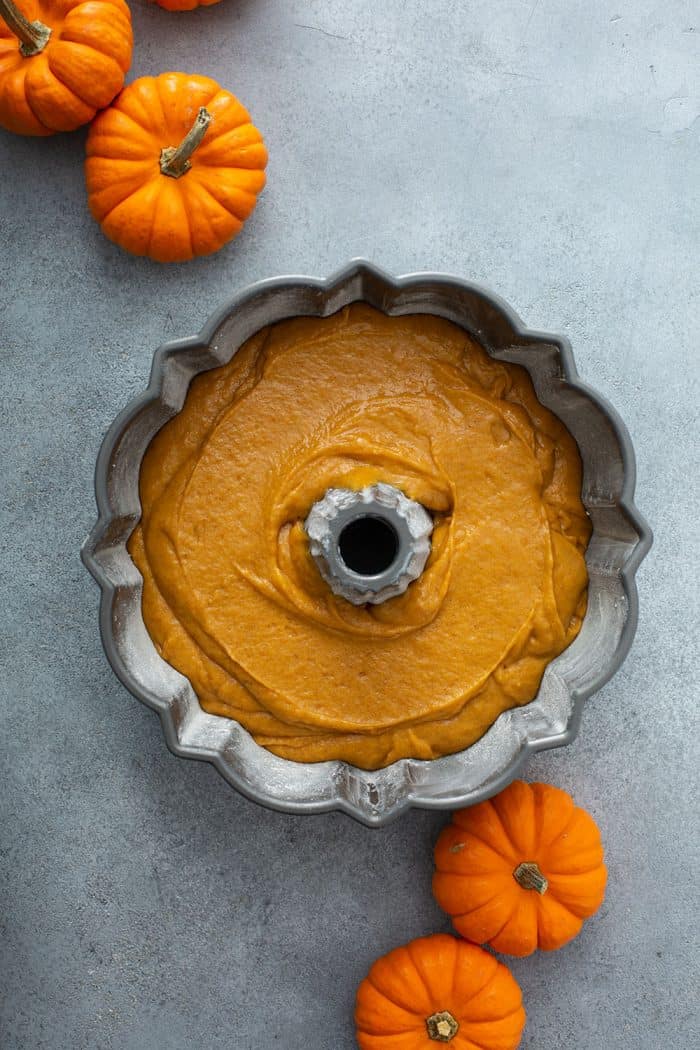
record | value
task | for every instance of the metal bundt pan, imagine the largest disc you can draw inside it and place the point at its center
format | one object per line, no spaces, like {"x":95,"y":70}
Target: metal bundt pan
{"x":619,"y":542}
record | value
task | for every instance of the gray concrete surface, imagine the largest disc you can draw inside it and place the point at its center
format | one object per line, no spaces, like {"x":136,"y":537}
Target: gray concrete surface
{"x":548,"y":150}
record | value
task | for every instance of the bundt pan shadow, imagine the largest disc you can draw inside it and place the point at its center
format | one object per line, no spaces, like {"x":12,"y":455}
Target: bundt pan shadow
{"x":619,"y":542}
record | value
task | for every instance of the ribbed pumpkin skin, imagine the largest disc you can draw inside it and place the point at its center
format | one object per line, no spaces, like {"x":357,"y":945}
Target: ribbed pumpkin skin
{"x":431,"y":975}
{"x":167,"y":219}
{"x":184,"y":5}
{"x":477,"y":854}
{"x":79,"y":71}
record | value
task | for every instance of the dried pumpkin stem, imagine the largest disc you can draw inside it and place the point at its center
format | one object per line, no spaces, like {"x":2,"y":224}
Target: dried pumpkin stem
{"x":530,"y":877}
{"x":442,"y":1027}
{"x":33,"y":36}
{"x":175,"y":160}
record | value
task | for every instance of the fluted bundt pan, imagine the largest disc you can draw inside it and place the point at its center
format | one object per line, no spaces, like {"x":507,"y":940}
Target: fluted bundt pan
{"x":619,"y":542}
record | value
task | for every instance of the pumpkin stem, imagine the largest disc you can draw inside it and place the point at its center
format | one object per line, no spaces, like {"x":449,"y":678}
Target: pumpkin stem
{"x":530,"y":877}
{"x":33,"y":36}
{"x":442,"y":1027}
{"x":175,"y":160}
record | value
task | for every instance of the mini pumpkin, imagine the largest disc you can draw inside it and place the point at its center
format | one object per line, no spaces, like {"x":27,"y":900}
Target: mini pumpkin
{"x":521,"y":871}
{"x":439,"y":990}
{"x":184,"y":5}
{"x":60,"y":62}
{"x":174,"y":167}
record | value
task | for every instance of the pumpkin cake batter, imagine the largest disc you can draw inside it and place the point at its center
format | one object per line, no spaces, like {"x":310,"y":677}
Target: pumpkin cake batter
{"x":233,"y":599}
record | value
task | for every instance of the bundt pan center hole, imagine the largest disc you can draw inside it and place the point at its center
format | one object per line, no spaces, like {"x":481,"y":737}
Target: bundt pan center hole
{"x":368,"y":545}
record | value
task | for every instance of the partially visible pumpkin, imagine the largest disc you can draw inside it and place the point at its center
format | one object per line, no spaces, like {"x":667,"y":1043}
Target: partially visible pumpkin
{"x":60,"y":61}
{"x":184,"y":5}
{"x":174,"y":167}
{"x":521,"y":871}
{"x":439,"y":990}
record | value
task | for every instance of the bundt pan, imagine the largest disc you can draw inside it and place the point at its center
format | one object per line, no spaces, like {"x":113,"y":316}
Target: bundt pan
{"x":619,"y":542}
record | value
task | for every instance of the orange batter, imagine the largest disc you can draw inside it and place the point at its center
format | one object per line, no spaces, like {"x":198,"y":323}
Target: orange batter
{"x":233,"y":599}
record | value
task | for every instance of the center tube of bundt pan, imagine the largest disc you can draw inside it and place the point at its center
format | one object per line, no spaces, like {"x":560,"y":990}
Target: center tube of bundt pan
{"x":369,"y":545}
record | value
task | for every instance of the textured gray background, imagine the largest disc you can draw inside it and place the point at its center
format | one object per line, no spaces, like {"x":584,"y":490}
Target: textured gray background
{"x":548,"y":150}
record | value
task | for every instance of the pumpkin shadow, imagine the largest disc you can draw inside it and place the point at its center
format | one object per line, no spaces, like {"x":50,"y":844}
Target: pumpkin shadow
{"x":37,"y":156}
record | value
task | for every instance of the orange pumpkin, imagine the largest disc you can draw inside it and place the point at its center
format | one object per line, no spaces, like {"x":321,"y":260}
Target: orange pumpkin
{"x":60,"y":62}
{"x":439,"y":990}
{"x":521,"y":871}
{"x":174,"y":167}
{"x":184,"y":5}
